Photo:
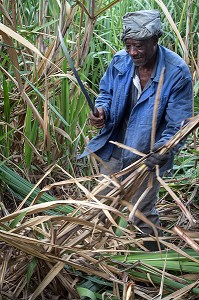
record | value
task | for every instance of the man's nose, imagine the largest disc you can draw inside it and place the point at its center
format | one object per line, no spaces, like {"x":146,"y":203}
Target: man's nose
{"x":133,"y":50}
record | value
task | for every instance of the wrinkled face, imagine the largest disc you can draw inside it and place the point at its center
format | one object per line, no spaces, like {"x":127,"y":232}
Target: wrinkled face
{"x":141,"y":51}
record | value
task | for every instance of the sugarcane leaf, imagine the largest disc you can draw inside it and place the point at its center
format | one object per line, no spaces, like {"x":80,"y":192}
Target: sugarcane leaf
{"x":14,"y":223}
{"x":19,"y":38}
{"x":83,"y":292}
{"x":6,"y":101}
{"x":31,"y":267}
{"x":43,"y":98}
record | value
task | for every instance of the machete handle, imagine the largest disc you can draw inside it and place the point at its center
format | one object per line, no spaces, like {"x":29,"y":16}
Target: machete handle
{"x":95,"y":112}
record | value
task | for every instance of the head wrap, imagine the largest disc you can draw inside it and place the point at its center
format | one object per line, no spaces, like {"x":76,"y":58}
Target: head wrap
{"x":141,"y":25}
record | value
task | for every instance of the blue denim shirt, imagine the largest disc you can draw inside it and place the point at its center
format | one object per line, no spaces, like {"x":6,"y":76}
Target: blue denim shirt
{"x":176,"y":102}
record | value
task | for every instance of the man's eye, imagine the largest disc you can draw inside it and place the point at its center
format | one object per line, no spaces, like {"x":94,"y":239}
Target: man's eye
{"x":138,"y":47}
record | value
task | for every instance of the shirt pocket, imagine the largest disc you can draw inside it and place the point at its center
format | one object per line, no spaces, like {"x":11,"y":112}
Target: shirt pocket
{"x":147,"y":111}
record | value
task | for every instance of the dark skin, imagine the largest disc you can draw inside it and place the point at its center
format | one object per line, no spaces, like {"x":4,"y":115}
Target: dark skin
{"x":143,"y":54}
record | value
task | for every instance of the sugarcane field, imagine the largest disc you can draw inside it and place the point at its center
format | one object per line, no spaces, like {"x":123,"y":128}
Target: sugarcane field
{"x":99,"y":150}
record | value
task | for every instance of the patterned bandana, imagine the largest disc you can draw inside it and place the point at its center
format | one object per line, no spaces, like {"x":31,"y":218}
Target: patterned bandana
{"x":141,"y":25}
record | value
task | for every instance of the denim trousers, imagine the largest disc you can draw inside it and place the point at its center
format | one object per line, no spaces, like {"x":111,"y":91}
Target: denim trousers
{"x":148,"y":203}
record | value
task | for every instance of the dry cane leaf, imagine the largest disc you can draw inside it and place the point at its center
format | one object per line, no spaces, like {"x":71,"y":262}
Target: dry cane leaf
{"x":177,"y":200}
{"x":186,"y":238}
{"x":181,"y":292}
{"x":19,"y":38}
{"x":49,"y":277}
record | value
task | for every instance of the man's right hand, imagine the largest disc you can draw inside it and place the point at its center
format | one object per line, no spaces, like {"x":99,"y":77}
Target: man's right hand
{"x":97,"y":122}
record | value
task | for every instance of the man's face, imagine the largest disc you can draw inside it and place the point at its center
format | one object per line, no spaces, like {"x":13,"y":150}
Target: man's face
{"x":141,"y":51}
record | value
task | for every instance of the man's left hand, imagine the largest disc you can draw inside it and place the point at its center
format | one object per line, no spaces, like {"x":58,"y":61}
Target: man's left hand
{"x":157,"y":159}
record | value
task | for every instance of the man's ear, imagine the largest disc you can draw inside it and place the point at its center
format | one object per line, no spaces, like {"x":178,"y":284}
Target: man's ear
{"x":155,"y":39}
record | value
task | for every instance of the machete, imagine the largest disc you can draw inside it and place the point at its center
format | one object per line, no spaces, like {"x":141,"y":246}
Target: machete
{"x":70,"y":62}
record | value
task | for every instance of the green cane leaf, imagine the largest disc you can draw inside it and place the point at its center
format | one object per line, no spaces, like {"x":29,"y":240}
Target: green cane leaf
{"x":83,"y":292}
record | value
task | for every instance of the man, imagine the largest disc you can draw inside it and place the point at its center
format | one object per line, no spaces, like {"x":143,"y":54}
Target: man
{"x":126,"y":102}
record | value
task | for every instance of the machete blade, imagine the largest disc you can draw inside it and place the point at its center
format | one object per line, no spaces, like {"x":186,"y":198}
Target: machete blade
{"x":70,"y":62}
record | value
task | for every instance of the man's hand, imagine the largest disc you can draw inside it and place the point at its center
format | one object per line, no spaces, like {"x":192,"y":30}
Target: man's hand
{"x":97,"y":122}
{"x":157,"y":159}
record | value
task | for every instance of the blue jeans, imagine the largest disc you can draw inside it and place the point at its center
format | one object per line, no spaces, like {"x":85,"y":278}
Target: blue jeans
{"x":147,"y":205}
